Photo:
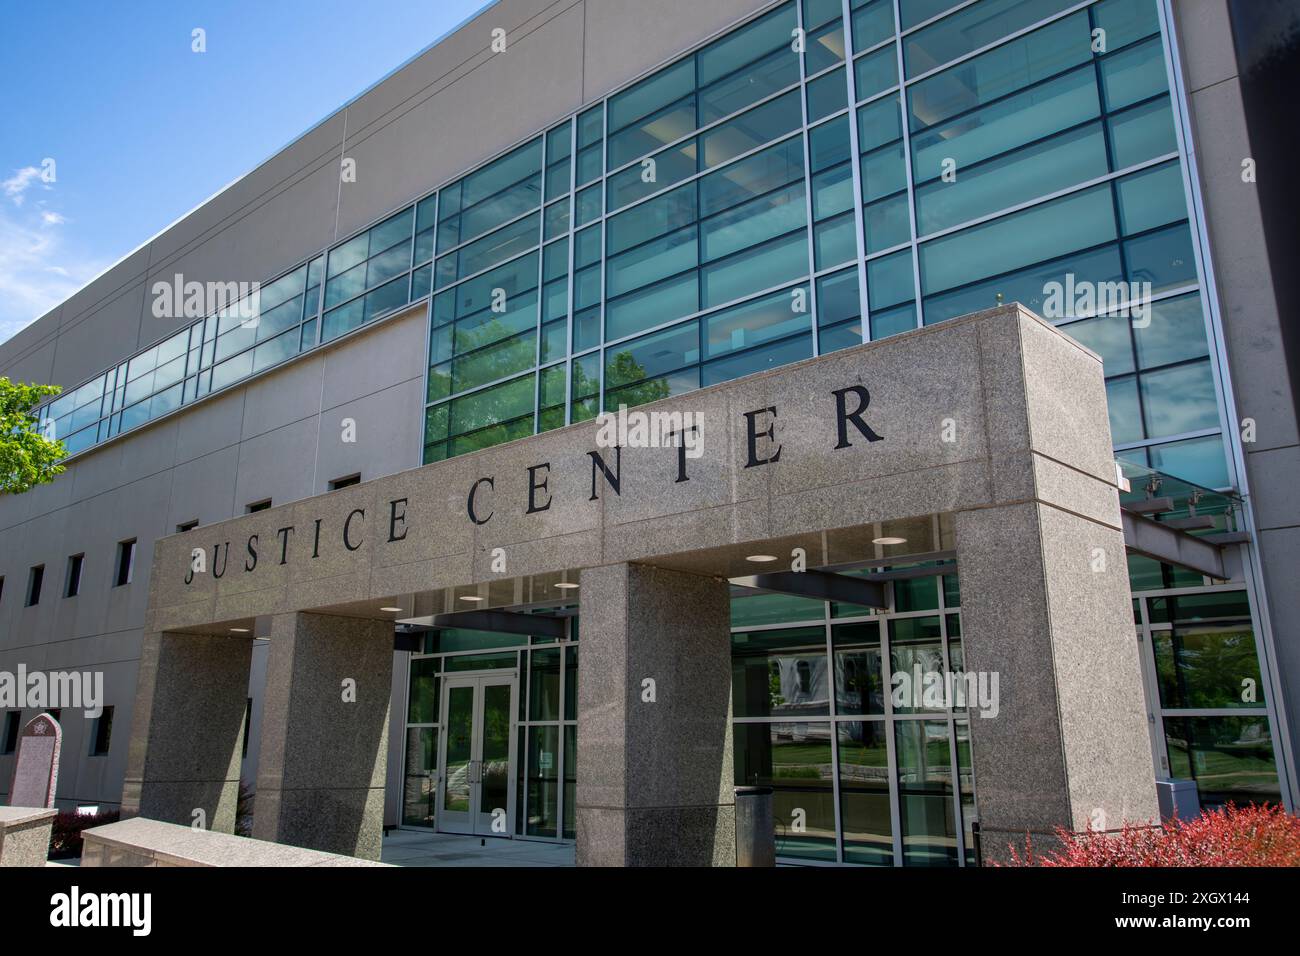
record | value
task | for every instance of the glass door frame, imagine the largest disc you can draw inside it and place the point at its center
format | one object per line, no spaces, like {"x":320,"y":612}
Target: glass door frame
{"x":1148,"y":630}
{"x":473,"y":823}
{"x":562,"y":723}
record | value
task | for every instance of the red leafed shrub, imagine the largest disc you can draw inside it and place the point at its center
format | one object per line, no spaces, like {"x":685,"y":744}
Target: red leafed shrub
{"x":1229,"y":836}
{"x":65,"y":834}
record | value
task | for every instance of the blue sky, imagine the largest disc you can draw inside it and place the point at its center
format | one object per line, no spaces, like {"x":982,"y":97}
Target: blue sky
{"x":142,"y":129}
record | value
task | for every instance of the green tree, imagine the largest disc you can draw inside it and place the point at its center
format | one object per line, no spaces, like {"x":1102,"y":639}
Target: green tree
{"x":621,"y":372}
{"x":27,"y":457}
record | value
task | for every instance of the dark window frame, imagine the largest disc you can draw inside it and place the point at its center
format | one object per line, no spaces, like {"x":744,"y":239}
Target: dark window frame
{"x":12,"y":727}
{"x":124,"y":567}
{"x":72,"y":577}
{"x":101,"y":737}
{"x":35,"y":582}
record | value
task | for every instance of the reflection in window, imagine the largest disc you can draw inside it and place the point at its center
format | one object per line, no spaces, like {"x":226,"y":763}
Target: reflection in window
{"x":420,"y":787}
{"x":1210,"y":666}
{"x":864,"y":793}
{"x":543,"y":784}
{"x":368,"y":261}
{"x":780,"y":673}
{"x":544,"y":685}
{"x":795,"y":760}
{"x":859,"y":688}
{"x":925,"y":793}
{"x":1230,"y":758}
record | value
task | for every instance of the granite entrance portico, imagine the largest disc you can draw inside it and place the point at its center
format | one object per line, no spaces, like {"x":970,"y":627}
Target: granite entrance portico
{"x":995,"y":421}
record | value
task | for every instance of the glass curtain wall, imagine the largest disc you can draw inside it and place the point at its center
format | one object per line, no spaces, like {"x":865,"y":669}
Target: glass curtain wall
{"x":746,"y":205}
{"x":865,"y":770}
{"x":246,"y":337}
{"x":365,"y":278}
{"x":824,"y":174}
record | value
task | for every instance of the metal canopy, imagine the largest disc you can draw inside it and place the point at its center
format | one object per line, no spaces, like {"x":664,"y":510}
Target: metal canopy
{"x":822,"y":585}
{"x":1150,"y":506}
{"x":1158,"y":540}
{"x":1158,"y":511}
{"x":408,"y":641}
{"x":409,"y":637}
{"x":504,"y":622}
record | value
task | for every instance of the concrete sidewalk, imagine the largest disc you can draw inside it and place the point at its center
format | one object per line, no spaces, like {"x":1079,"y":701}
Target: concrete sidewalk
{"x":415,"y":848}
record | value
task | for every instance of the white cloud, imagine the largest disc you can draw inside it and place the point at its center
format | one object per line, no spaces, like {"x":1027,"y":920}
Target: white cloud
{"x":17,"y":185}
{"x":37,"y":271}
{"x":52,"y":218}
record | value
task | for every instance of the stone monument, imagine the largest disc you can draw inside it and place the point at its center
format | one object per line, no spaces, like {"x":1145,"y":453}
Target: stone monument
{"x":36,"y":772}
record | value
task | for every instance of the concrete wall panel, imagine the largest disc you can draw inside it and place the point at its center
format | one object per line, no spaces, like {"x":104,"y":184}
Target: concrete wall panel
{"x":387,"y":432}
{"x":611,"y":60}
{"x":278,"y":176}
{"x":393,"y":352}
{"x":276,"y":465}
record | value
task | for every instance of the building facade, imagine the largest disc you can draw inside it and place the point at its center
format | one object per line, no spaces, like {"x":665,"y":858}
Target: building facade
{"x":612,"y":204}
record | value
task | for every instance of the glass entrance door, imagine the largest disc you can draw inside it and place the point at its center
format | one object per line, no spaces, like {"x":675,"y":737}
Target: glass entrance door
{"x":476,"y":785}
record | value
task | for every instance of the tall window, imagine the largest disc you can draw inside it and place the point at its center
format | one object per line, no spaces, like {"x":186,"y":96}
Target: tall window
{"x":35,"y":577}
{"x":125,"y":562}
{"x":72,"y":586}
{"x":9,"y":741}
{"x":103,"y":733}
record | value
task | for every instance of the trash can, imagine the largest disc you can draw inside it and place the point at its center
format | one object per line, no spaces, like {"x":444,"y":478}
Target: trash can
{"x":755,"y":829}
{"x":1178,"y":798}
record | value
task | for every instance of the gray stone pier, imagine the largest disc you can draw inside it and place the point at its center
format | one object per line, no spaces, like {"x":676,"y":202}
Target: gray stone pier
{"x":320,"y":780}
{"x":654,"y":766}
{"x":188,"y":731}
{"x":1068,"y":745}
{"x":1046,"y":603}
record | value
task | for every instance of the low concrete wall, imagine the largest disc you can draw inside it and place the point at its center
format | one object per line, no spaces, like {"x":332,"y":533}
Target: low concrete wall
{"x":142,"y":842}
{"x":25,"y":835}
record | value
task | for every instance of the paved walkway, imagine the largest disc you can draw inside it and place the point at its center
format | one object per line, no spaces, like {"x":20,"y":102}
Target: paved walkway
{"x":416,"y":848}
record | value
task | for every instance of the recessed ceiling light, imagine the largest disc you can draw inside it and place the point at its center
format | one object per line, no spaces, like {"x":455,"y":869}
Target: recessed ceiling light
{"x":761,"y":558}
{"x":391,"y":609}
{"x":470,"y":597}
{"x":239,"y":630}
{"x":889,"y":541}
{"x":566,"y":585}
